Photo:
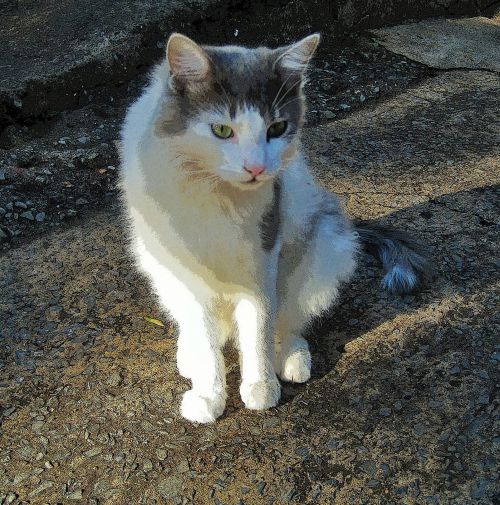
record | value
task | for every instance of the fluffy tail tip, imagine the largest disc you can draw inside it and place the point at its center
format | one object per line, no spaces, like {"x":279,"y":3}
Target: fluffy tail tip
{"x":399,"y":280}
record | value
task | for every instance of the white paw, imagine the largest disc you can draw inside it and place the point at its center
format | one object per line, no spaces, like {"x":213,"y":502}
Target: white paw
{"x":260,"y":395}
{"x":201,"y":409}
{"x":297,"y":367}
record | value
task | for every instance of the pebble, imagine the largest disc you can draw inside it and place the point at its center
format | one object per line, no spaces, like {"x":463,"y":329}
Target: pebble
{"x":9,"y":206}
{"x":92,"y":452}
{"x":161,"y":454}
{"x":420,"y":429}
{"x":41,"y":488}
{"x":169,"y":488}
{"x":83,"y":140}
{"x":147,"y":465}
{"x":328,"y":114}
{"x":75,"y":495}
{"x":28,"y":215}
{"x":10,"y":498}
{"x":20,"y":205}
{"x":114,"y":379}
{"x":2,"y":175}
{"x":2,"y":211}
{"x":40,"y":216}
{"x":385,"y":411}
{"x":81,"y":201}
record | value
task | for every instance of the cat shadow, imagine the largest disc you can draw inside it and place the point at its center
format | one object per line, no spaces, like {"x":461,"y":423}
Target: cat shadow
{"x":449,"y":226}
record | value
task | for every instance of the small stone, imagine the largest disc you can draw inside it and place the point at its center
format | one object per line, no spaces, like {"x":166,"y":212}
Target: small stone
{"x":10,"y":498}
{"x":161,"y":454}
{"x":147,"y":466}
{"x":75,"y":495}
{"x":419,"y":429}
{"x":344,"y":106}
{"x":71,"y":213}
{"x":48,"y":465}
{"x":114,"y":379}
{"x":398,"y":405}
{"x":2,"y":211}
{"x":41,"y":488}
{"x":28,"y":215}
{"x":20,"y":477}
{"x":40,"y":216}
{"x":93,"y":452}
{"x":81,"y":201}
{"x":362,"y":98}
{"x":2,"y":175}
{"x":20,"y":205}
{"x":455,"y":370}
{"x":328,"y":114}
{"x":83,"y":140}
{"x":483,"y":399}
{"x":170,"y":487}
{"x":385,"y":412}
{"x":9,"y":206}
{"x":37,"y":426}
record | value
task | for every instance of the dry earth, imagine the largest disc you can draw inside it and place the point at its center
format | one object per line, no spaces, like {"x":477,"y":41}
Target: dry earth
{"x":402,"y":407}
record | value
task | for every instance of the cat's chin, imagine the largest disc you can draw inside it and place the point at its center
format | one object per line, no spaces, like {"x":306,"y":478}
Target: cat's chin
{"x":253,"y":184}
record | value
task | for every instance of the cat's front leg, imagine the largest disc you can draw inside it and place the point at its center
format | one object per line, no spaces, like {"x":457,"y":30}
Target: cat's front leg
{"x":200,"y":359}
{"x":260,"y":388}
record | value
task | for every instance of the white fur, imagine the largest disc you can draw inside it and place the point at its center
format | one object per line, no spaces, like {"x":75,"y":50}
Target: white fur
{"x":202,"y":251}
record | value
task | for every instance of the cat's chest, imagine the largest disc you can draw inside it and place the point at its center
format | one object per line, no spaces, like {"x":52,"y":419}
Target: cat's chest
{"x":228,"y":250}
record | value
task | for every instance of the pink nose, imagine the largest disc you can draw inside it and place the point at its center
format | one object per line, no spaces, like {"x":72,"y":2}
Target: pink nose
{"x":255,"y":170}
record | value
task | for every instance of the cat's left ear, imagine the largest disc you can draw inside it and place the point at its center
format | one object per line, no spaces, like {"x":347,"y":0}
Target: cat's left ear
{"x":295,"y":58}
{"x":189,"y":63}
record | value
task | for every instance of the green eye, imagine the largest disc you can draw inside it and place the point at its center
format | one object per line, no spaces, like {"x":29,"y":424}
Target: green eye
{"x":222,"y":131}
{"x":276,"y":129}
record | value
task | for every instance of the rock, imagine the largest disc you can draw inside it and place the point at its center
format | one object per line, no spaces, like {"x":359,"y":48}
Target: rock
{"x":10,"y":498}
{"x":328,"y":114}
{"x":147,"y":466}
{"x":2,"y":211}
{"x":385,"y":412}
{"x":161,"y":454}
{"x":2,"y":175}
{"x":419,"y":429}
{"x":93,"y":452}
{"x":81,"y":201}
{"x":75,"y":495}
{"x":169,"y":487}
{"x":40,"y":216}
{"x":114,"y":379}
{"x":20,"y":205}
{"x":46,"y":484}
{"x":28,"y":215}
{"x":9,"y":206}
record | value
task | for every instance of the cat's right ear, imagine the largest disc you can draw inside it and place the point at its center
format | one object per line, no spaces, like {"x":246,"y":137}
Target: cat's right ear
{"x":189,"y":63}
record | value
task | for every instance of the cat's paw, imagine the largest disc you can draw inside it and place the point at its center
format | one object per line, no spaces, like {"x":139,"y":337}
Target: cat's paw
{"x":260,"y":395}
{"x":296,"y":367}
{"x":201,"y":409}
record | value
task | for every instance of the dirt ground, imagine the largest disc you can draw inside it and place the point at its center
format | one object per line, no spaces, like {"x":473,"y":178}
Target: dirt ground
{"x":402,"y":407}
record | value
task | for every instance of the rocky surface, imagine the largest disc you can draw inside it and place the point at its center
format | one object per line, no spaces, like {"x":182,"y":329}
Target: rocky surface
{"x":402,"y":406}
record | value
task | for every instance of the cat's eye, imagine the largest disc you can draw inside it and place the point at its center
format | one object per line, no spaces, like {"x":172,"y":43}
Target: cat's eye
{"x":276,"y":130}
{"x":222,"y":131}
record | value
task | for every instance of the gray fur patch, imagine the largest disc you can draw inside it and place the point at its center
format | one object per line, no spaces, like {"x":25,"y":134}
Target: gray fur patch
{"x":238,"y":77}
{"x":270,"y":224}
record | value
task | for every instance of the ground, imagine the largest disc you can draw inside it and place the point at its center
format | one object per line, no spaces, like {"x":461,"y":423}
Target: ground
{"x":402,"y":405}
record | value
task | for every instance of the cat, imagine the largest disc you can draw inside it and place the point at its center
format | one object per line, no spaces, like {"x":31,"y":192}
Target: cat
{"x":238,"y":240}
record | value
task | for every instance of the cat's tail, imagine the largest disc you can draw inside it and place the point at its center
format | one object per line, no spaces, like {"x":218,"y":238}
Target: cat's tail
{"x":404,"y":261}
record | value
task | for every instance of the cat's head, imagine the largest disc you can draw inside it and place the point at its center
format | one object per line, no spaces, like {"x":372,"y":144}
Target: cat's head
{"x":233,"y":113}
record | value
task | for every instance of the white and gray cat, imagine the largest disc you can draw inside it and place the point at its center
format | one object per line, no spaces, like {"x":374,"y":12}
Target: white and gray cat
{"x":238,"y":240}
